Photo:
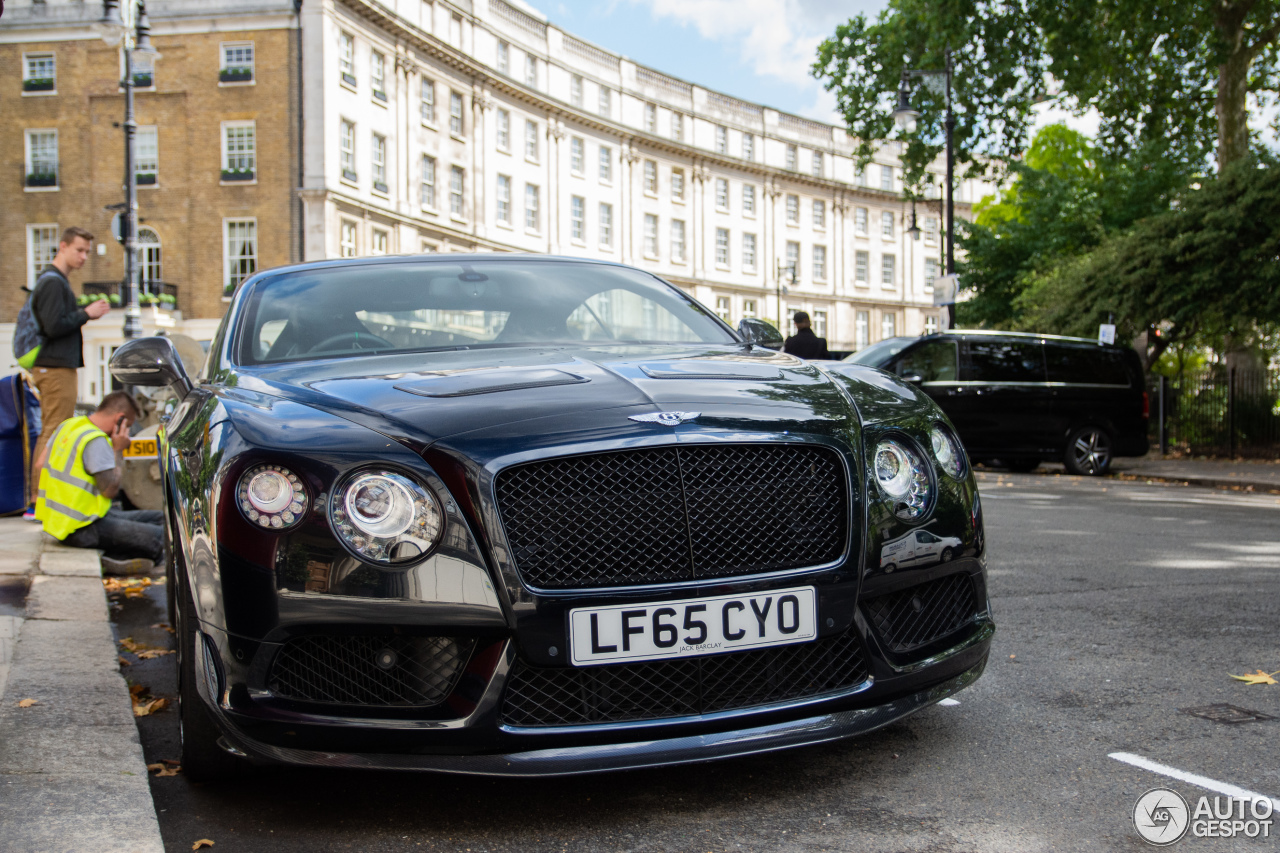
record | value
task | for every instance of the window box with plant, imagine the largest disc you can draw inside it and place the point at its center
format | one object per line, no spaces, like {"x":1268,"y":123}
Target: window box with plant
{"x":146,"y":179}
{"x":380,"y":95}
{"x":42,"y":179}
{"x":380,"y":187}
{"x":348,"y":175}
{"x":237,"y":174}
{"x":37,"y":84}
{"x":236,"y":75}
{"x":141,"y":80}
{"x":349,"y":79}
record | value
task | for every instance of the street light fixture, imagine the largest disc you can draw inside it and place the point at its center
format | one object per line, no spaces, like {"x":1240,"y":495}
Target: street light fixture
{"x":793,"y":271}
{"x":131,"y":28}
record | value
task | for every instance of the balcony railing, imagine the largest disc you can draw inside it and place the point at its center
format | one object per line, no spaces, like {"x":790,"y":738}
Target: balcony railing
{"x":154,"y":292}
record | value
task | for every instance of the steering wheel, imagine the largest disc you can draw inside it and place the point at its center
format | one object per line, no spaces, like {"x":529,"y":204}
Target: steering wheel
{"x":352,"y":340}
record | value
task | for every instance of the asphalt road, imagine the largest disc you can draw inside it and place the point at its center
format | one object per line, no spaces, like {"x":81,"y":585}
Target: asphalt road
{"x":1117,"y":605}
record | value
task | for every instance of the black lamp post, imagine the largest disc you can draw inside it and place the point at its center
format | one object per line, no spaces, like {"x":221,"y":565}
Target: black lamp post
{"x":135,"y":31}
{"x":793,"y":271}
{"x":905,"y":117}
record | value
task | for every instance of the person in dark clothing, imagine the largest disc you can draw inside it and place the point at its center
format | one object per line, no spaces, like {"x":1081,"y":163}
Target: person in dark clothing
{"x":804,"y":343}
{"x":54,"y":305}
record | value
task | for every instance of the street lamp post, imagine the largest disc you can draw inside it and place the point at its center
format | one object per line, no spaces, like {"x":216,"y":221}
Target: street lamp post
{"x":905,"y":117}
{"x":134,"y":30}
{"x":792,"y":271}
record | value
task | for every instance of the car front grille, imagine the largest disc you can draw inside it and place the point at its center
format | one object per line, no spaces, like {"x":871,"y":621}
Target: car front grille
{"x":919,"y":615}
{"x":665,"y":514}
{"x":383,"y":671}
{"x":656,"y":690}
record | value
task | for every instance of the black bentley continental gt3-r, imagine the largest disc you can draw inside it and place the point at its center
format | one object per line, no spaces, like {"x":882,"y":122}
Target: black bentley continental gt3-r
{"x":518,"y":515}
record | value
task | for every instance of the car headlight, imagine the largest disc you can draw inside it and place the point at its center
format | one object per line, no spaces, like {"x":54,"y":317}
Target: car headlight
{"x":271,"y":496}
{"x":946,"y":449}
{"x":903,"y":478}
{"x":385,"y":517}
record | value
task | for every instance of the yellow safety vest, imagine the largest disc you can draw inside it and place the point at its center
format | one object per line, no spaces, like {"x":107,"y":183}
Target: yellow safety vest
{"x":69,"y":498}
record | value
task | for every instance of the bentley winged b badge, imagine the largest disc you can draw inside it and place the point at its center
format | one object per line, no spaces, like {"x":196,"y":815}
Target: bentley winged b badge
{"x":666,"y":418}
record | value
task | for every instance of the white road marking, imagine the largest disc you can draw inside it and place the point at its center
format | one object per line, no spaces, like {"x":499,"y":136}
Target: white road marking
{"x":949,"y":702}
{"x":1208,"y":784}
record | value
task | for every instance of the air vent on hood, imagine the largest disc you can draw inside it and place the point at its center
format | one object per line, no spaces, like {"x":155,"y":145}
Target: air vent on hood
{"x":703,"y":370}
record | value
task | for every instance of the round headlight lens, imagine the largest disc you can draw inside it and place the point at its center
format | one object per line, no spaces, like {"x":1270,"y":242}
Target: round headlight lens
{"x":386,"y":517}
{"x":947,"y":451}
{"x":271,"y":496}
{"x":903,"y":478}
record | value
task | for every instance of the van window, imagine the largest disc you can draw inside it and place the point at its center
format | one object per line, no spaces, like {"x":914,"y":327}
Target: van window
{"x":1086,"y":364}
{"x":934,"y":361}
{"x":1005,"y":361}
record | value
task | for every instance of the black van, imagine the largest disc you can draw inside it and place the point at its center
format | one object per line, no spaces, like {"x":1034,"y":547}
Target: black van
{"x":1022,"y":398}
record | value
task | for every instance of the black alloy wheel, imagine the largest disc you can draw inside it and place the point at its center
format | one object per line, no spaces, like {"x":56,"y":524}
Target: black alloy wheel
{"x":1088,"y":452}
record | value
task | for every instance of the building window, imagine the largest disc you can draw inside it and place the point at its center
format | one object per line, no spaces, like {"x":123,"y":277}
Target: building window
{"x":722,"y":194}
{"x":455,"y":30}
{"x":347,"y":58}
{"x":504,"y":199}
{"x":378,"y":75}
{"x":427,"y":188}
{"x":820,"y":323}
{"x":575,"y":90}
{"x":42,"y":245}
{"x":347,"y":149}
{"x":749,"y":252}
{"x":237,"y":63}
{"x":379,"y":157}
{"x":793,"y":156}
{"x":677,"y":184}
{"x":651,"y":118}
{"x":457,"y":183}
{"x":531,"y":140}
{"x":861,"y":267}
{"x":861,"y":329}
{"x":650,"y":177}
{"x":149,"y":258}
{"x":722,"y":139}
{"x":504,"y":130}
{"x":748,"y":147}
{"x":677,"y":239}
{"x":819,"y":214}
{"x":887,"y":264}
{"x":886,"y":224}
{"x":578,"y":218}
{"x":886,"y":177}
{"x":606,"y":163}
{"x":39,"y":72}
{"x":819,"y":263}
{"x":817,"y":164}
{"x":428,"y":105}
{"x":863,"y":179}
{"x":606,"y":101}
{"x":888,"y":325}
{"x":379,"y":242}
{"x":239,"y":150}
{"x":793,"y":210}
{"x":748,"y":308}
{"x":930,"y":231}
{"x":455,"y":113}
{"x":930,"y":325}
{"x":793,"y":258}
{"x":532,"y":216}
{"x":577,"y":155}
{"x":504,"y":58}
{"x":722,"y":308}
{"x":677,"y":127}
{"x":860,"y":221}
{"x":429,"y":248}
{"x":347,"y":239}
{"x":531,"y":71}
{"x":650,"y":236}
{"x":930,"y":272}
{"x":240,"y":251}
{"x":749,"y":199}
{"x":722,"y":247}
{"x":606,"y":225}
{"x":146,"y":156}
{"x":42,"y":158}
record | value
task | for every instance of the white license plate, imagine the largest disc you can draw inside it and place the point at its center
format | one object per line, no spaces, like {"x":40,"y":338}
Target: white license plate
{"x":694,"y":626}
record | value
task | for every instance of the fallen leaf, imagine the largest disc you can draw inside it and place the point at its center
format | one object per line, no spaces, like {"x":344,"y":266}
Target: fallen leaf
{"x":203,"y":842}
{"x":123,"y":662}
{"x":26,"y":703}
{"x":164,"y":770}
{"x":127,"y":644}
{"x":172,"y":762}
{"x":146,"y":709}
{"x":136,"y":690}
{"x":1258,"y":677}
{"x":165,"y":625}
{"x":154,"y":653}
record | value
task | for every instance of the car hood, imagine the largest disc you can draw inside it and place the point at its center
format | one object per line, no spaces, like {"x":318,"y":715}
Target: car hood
{"x":419,"y":399}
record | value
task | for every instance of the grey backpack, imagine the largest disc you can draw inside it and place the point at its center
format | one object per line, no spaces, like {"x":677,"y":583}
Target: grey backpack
{"x":27,"y":339}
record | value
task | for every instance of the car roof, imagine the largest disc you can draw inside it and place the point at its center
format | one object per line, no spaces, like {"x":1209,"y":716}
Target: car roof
{"x":432,"y":258}
{"x":995,"y":333}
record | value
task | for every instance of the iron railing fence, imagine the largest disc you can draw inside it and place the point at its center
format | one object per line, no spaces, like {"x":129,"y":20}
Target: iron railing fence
{"x":1217,"y":411}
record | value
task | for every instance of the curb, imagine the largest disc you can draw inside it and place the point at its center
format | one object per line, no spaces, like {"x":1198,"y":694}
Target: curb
{"x":72,"y":773}
{"x":1250,"y":486}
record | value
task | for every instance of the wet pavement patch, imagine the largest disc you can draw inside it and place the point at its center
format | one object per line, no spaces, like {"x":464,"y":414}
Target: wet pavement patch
{"x":13,"y":594}
{"x":1224,"y":713}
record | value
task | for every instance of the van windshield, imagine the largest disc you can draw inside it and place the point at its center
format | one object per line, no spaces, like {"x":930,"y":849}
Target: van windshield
{"x":879,"y":354}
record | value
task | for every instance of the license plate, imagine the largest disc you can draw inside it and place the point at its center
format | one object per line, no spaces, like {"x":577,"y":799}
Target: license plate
{"x":693,"y":626}
{"x":141,"y":448}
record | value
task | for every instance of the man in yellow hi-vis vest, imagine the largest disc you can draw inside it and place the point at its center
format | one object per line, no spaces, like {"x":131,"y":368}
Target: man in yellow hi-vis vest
{"x":80,"y":472}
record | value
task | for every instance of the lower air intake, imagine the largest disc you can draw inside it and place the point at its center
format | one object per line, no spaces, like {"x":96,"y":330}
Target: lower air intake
{"x":383,"y":671}
{"x":917,"y":616}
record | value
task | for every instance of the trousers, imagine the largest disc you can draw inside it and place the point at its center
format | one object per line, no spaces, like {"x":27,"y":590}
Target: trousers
{"x":124,"y":534}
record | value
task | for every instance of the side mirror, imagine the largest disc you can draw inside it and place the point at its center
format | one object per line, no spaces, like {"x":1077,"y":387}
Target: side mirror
{"x":913,"y":378}
{"x":759,"y":333}
{"x":150,"y":362}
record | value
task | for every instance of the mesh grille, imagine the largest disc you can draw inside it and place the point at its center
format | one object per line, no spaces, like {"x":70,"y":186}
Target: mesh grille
{"x":918,"y":615}
{"x":679,"y":688}
{"x":385,"y":671}
{"x":672,"y":514}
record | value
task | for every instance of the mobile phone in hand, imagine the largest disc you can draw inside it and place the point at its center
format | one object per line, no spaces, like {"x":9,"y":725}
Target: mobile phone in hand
{"x":119,"y":421}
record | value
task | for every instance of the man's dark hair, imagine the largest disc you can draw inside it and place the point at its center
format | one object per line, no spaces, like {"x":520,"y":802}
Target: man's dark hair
{"x":800,"y":317}
{"x":73,"y":232}
{"x":121,"y":403}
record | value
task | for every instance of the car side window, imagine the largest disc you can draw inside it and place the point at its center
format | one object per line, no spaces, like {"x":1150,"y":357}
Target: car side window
{"x":1005,"y":361}
{"x":1087,"y":364}
{"x":934,"y":361}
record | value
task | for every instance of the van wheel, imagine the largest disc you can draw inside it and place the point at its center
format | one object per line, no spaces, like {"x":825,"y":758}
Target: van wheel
{"x":1088,"y":452}
{"x":890,"y":568}
{"x":946,"y":555}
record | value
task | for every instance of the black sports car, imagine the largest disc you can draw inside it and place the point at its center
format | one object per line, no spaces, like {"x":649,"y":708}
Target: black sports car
{"x":524,"y":515}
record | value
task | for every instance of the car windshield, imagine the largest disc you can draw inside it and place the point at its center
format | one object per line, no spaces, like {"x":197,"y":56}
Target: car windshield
{"x":402,"y":307}
{"x":878,"y":354}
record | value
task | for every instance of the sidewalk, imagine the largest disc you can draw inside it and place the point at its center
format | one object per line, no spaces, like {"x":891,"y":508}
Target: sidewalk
{"x":1255,"y":475}
{"x":72,"y":775}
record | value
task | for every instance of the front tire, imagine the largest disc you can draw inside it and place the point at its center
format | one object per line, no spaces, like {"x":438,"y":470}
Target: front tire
{"x":1089,"y":451}
{"x":202,"y":759}
{"x":947,"y":555}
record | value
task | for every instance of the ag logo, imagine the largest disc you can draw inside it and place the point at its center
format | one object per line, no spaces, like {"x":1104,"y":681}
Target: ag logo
{"x":666,"y":418}
{"x":1161,"y":817}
